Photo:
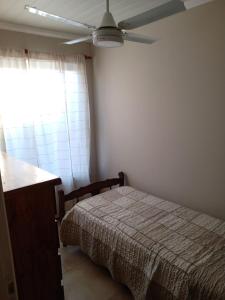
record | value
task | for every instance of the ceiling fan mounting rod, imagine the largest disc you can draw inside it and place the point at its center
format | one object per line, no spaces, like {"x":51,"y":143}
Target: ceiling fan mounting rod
{"x":107,"y":6}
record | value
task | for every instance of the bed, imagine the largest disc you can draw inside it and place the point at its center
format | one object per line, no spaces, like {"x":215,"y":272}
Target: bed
{"x":157,"y":248}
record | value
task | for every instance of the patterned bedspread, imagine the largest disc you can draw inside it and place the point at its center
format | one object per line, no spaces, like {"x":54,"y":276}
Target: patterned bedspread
{"x":158,"y":249}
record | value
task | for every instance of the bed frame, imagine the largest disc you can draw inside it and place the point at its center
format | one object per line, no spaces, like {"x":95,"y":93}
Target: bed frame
{"x":93,"y":189}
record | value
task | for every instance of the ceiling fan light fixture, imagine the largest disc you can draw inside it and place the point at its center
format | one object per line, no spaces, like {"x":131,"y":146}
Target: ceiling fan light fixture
{"x":107,"y":38}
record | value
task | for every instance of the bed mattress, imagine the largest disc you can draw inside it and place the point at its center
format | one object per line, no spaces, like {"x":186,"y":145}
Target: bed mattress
{"x":157,"y":248}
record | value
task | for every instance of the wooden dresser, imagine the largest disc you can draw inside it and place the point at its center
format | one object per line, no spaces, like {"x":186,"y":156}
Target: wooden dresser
{"x":31,"y":207}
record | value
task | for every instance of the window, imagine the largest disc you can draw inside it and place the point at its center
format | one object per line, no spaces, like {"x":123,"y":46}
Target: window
{"x":44,"y":113}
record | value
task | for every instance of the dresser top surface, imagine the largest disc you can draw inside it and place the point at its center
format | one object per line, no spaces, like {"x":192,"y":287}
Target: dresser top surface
{"x":17,"y":174}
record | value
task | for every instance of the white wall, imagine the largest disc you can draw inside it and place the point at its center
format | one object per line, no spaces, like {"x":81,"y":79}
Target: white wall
{"x":18,"y":40}
{"x":160,"y":109}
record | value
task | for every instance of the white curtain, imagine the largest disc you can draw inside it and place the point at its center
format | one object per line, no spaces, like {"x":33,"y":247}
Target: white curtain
{"x":44,"y":113}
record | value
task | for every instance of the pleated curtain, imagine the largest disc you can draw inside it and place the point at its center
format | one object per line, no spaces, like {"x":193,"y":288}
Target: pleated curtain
{"x":44,"y":113}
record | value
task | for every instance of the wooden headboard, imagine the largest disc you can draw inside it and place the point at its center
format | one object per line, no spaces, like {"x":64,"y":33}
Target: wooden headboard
{"x":93,"y":189}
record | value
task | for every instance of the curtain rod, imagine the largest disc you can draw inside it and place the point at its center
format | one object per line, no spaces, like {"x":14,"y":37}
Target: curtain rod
{"x":26,"y":51}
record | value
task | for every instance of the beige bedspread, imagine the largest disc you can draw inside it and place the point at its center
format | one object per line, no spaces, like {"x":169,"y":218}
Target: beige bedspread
{"x":151,"y":245}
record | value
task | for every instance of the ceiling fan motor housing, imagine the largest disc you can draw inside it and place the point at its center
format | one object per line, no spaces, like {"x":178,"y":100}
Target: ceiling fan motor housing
{"x":107,"y":37}
{"x":108,"y":20}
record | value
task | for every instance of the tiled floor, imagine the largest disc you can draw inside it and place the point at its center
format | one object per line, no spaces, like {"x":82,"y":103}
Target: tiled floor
{"x":83,"y":280}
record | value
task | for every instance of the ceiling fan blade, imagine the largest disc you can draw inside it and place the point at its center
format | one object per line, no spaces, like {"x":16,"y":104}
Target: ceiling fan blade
{"x":79,"y":40}
{"x":157,"y":13}
{"x":42,"y":13}
{"x":139,"y":38}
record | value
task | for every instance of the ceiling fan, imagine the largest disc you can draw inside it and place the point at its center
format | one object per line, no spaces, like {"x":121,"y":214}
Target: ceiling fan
{"x":108,"y":34}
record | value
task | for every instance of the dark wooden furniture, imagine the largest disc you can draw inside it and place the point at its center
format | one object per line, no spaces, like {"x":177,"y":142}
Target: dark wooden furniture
{"x":31,"y":207}
{"x":92,"y":189}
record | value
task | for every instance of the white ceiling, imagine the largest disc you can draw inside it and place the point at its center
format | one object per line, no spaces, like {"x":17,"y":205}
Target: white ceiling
{"x":87,"y":11}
